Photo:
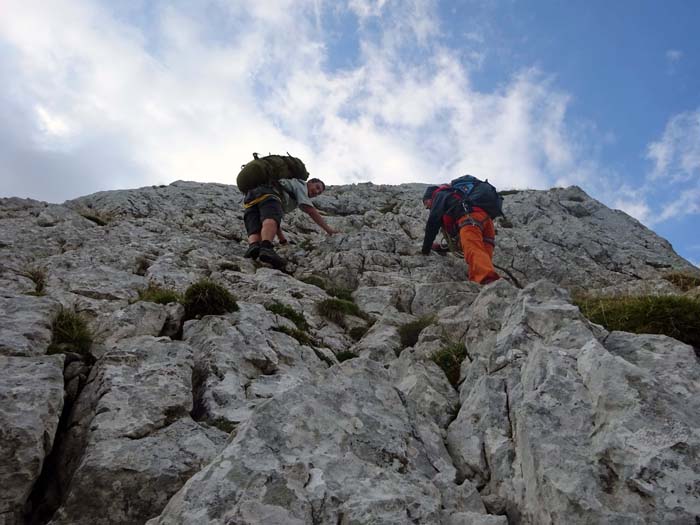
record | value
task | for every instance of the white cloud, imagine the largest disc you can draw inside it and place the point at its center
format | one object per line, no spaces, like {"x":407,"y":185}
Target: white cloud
{"x":52,"y":124}
{"x":687,"y":202}
{"x":675,"y":177}
{"x":366,"y":8}
{"x":194,"y":91}
{"x":638,"y":209}
{"x":674,"y":55}
{"x":676,"y":155}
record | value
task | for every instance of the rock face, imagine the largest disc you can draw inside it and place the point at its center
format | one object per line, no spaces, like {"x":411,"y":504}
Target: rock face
{"x":274,"y":414}
{"x":31,"y":400}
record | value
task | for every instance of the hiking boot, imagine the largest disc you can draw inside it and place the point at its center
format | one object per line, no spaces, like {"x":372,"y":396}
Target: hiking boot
{"x":269,"y":256}
{"x":253,"y":251}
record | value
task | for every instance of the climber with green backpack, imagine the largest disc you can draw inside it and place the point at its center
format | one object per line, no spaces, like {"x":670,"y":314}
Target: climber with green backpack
{"x":275,"y":185}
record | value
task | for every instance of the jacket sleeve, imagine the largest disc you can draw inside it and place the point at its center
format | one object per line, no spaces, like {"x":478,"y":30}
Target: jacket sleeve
{"x":432,"y":227}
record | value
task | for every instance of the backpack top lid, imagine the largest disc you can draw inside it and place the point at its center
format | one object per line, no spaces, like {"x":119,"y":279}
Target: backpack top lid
{"x":429,"y":193}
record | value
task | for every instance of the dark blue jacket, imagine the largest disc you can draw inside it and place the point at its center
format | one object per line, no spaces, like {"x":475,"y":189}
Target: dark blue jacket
{"x":443,"y":204}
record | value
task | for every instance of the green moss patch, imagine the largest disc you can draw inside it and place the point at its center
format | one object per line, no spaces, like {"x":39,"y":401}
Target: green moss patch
{"x":70,"y":333}
{"x":683,"y":281}
{"x":206,"y":297}
{"x":410,"y":331}
{"x":159,"y":294}
{"x":290,"y":313}
{"x":677,"y":317}
{"x":450,"y":360}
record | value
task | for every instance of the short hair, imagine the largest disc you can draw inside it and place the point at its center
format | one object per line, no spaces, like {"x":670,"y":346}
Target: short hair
{"x":318,"y":180}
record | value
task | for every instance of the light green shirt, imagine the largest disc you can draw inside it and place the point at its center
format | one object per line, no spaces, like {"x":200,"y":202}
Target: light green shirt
{"x":293,"y":194}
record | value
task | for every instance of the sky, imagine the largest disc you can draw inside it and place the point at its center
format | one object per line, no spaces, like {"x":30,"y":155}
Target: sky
{"x":99,"y":95}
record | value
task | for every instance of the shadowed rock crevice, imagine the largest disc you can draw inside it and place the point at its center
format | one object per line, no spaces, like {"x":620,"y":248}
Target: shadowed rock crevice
{"x":48,"y":492}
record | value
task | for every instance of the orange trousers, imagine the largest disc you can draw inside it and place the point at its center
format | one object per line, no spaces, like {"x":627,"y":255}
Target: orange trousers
{"x":477,"y":238}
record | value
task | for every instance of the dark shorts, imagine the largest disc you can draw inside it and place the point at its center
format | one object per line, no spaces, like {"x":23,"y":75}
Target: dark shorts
{"x":255,"y":215}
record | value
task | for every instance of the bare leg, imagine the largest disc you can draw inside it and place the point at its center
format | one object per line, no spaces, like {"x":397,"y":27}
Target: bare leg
{"x":269,"y":230}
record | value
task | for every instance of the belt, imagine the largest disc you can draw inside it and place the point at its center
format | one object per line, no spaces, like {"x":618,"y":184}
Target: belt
{"x":258,"y":200}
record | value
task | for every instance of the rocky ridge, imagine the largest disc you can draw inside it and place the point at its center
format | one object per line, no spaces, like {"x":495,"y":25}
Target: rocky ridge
{"x":231,"y":419}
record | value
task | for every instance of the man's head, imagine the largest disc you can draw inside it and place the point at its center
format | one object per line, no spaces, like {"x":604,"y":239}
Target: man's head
{"x":315,"y":187}
{"x":428,"y":196}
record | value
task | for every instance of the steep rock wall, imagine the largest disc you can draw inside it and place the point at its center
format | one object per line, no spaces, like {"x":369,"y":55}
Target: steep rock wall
{"x":229,"y":418}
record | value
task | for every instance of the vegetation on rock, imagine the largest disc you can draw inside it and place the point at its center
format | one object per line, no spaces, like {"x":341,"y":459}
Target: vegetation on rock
{"x":205,"y":297}
{"x":450,"y":360}
{"x":683,"y":281}
{"x":70,"y":333}
{"x":302,"y":337}
{"x":158,"y":294}
{"x":290,"y":313}
{"x":677,"y":317}
{"x":38,"y":276}
{"x":335,"y":310}
{"x":97,"y":218}
{"x":410,"y":331}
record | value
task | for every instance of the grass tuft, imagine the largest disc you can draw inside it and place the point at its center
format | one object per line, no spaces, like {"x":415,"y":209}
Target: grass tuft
{"x":290,"y":313}
{"x":450,"y":360}
{"x":315,"y":280}
{"x":160,"y":295}
{"x":70,"y":334}
{"x":302,"y":337}
{"x":335,"y":310}
{"x":38,"y":276}
{"x":677,"y":317}
{"x":205,"y":297}
{"x":682,"y":280}
{"x":410,"y":331}
{"x":229,"y":266}
{"x":341,"y":293}
{"x":99,"y":219}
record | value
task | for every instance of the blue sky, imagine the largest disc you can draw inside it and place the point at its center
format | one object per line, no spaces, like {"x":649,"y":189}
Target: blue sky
{"x":606,"y":95}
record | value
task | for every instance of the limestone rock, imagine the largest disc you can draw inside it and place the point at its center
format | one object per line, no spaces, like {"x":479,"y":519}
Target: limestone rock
{"x":31,"y":400}
{"x":26,"y":325}
{"x":555,"y":421}
{"x":338,"y":450}
{"x":131,"y":442}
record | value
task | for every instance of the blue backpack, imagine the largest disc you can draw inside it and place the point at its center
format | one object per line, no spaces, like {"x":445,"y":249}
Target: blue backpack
{"x":479,"y":193}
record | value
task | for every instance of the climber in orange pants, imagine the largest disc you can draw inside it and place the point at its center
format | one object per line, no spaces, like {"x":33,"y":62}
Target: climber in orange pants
{"x":474,"y":230}
{"x":478,"y":239}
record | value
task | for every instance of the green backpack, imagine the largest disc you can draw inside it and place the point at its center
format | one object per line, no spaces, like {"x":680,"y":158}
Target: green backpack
{"x":263,"y":171}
